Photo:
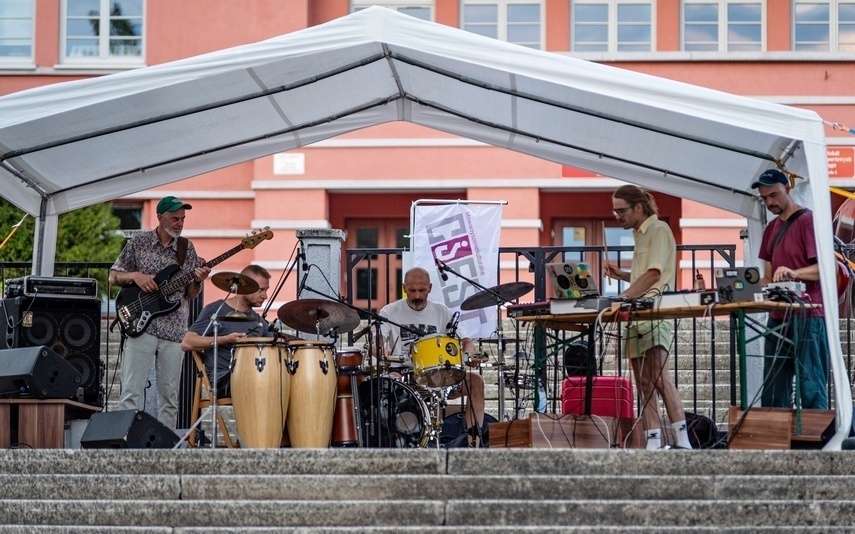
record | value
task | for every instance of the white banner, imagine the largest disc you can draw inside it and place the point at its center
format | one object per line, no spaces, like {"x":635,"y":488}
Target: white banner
{"x":466,"y":238}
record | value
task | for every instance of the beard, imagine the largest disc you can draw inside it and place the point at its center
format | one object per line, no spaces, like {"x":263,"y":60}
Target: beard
{"x":171,"y":233}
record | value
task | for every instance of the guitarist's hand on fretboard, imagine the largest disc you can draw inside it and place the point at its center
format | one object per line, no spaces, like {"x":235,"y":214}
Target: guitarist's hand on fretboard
{"x":200,"y":273}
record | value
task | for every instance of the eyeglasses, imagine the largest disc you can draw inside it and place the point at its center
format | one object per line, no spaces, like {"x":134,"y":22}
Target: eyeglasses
{"x":621,"y":211}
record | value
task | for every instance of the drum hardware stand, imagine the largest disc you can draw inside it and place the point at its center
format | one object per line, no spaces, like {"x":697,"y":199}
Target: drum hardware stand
{"x":213,"y":380}
{"x":499,"y":300}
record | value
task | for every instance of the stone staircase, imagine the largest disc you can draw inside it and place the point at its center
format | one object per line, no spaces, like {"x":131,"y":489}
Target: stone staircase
{"x":462,"y":491}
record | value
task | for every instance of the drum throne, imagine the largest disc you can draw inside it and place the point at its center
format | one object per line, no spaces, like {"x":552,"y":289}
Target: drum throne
{"x":202,"y":400}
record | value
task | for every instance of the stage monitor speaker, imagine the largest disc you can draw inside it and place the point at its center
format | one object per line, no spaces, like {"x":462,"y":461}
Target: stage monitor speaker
{"x":70,"y":327}
{"x":37,"y":372}
{"x":127,"y":429}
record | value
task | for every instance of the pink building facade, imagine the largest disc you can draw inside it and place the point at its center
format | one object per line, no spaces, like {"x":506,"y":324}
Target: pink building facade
{"x":793,"y":52}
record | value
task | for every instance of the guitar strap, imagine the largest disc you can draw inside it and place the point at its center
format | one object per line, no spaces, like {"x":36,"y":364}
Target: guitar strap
{"x":786,"y":225}
{"x":182,"y":250}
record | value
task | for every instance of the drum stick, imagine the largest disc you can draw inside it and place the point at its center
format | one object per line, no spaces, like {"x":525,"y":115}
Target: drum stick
{"x":605,"y":249}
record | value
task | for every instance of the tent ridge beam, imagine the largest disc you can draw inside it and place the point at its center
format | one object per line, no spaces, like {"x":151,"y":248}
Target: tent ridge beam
{"x":193,"y":110}
{"x":539,"y":138}
{"x":352,"y":111}
{"x":21,"y":176}
{"x":576,"y":109}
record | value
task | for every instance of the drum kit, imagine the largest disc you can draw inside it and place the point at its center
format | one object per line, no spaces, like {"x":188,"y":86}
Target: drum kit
{"x":325,"y":395}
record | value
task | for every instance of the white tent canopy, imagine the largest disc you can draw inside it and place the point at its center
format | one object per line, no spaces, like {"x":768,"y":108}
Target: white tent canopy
{"x":70,"y":145}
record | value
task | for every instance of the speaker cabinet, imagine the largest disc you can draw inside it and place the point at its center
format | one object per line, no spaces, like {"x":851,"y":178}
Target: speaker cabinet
{"x":127,"y":429}
{"x":70,"y":327}
{"x":37,"y":372}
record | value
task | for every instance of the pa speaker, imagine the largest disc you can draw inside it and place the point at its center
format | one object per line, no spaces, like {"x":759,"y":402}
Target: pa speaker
{"x":127,"y":429}
{"x":70,"y":327}
{"x":37,"y":372}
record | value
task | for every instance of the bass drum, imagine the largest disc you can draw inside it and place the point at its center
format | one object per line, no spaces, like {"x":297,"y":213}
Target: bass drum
{"x":402,"y":418}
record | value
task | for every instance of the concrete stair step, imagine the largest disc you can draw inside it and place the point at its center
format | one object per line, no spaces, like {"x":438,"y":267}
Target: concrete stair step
{"x":428,"y":514}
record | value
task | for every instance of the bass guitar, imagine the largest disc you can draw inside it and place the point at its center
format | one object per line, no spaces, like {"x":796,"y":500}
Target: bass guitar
{"x":135,"y":308}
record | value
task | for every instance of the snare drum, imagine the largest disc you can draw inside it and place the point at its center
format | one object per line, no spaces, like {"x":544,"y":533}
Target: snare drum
{"x":438,"y":361}
{"x":313,"y":392}
{"x":401,"y":419}
{"x":261,"y":387}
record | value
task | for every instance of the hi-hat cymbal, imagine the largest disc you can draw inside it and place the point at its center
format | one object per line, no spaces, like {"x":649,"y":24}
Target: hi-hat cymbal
{"x":226,"y":281}
{"x":499,"y":294}
{"x":313,"y":315}
{"x":236,"y":316}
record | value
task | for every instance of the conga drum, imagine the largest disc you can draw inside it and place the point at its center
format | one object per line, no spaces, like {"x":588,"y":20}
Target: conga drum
{"x":348,"y":364}
{"x":313,"y":392}
{"x":261,"y":389}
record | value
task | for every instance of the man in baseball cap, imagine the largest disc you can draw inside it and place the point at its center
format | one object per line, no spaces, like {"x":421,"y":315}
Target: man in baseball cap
{"x":789,"y":252}
{"x":171,"y":203}
{"x":146,"y":264}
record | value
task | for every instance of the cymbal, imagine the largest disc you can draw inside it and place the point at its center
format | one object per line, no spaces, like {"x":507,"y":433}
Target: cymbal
{"x":307,"y":315}
{"x":236,"y":316}
{"x":225,"y":281}
{"x":508,"y":292}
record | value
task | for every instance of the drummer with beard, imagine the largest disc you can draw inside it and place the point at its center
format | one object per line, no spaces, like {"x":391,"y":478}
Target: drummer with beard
{"x":420,"y":314}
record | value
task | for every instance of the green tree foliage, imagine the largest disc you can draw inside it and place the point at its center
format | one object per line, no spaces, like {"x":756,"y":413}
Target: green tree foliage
{"x":86,"y":235}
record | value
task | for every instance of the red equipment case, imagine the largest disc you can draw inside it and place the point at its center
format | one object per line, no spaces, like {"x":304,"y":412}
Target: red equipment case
{"x":611,"y":396}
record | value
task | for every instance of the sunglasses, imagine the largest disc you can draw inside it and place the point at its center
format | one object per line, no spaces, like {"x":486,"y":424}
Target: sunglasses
{"x":621,"y":211}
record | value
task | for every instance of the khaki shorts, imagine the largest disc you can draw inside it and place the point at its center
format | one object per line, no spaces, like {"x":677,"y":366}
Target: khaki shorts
{"x":642,"y":336}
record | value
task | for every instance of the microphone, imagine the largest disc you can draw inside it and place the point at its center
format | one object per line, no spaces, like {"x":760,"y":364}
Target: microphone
{"x":302,"y":256}
{"x":440,"y":267}
{"x":361,"y":333}
{"x":303,"y":281}
{"x":451,"y":327}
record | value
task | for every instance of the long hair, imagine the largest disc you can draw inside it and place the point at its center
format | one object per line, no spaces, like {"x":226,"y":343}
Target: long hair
{"x":633,"y":195}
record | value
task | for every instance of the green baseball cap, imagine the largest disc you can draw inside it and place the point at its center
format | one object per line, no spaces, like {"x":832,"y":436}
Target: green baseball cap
{"x":171,"y":203}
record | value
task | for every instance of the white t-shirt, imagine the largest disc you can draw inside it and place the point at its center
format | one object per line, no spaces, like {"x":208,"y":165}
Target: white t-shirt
{"x":432,"y":320}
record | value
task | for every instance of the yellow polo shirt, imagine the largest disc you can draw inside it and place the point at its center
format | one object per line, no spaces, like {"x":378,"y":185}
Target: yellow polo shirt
{"x":655,"y":248}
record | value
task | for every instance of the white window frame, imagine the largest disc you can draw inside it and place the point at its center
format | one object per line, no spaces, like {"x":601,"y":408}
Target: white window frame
{"x":104,"y":60}
{"x":502,"y":22}
{"x":833,"y":24}
{"x":723,"y":24}
{"x":22,"y":61}
{"x":612,"y":25}
{"x":396,"y":5}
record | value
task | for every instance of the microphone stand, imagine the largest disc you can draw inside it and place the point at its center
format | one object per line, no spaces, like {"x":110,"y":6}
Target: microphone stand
{"x":213,"y":391}
{"x":500,"y":300}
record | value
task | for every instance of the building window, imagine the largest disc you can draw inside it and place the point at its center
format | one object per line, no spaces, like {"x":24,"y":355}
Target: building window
{"x":103,"y":31}
{"x":612,"y":26}
{"x":517,"y":22}
{"x":16,"y":31}
{"x":824,"y":26}
{"x":722,"y":26}
{"x":421,"y":9}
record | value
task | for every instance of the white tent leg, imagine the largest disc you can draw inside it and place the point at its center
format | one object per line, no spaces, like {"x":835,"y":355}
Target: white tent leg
{"x":44,"y":246}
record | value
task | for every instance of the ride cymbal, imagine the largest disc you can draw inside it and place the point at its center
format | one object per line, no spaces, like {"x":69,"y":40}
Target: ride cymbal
{"x":499,"y":294}
{"x":237,"y":283}
{"x":318,"y":315}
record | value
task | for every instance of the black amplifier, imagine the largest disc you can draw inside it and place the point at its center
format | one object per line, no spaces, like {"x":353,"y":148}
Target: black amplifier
{"x":52,"y":287}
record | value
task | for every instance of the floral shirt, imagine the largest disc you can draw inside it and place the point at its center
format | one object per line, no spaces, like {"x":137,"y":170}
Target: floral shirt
{"x":145,"y":254}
